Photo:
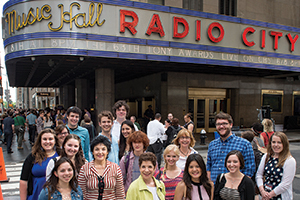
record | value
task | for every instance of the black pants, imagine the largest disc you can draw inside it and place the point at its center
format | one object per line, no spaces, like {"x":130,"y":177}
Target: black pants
{"x":32,"y":131}
{"x":157,"y":149}
{"x":8,"y":137}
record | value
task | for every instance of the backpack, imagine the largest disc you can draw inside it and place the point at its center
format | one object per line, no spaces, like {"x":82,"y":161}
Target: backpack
{"x":173,"y":134}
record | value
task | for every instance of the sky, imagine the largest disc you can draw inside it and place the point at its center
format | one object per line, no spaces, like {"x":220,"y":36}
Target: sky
{"x":3,"y":70}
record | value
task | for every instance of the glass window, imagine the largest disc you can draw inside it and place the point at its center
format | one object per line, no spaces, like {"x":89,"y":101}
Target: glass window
{"x":273,"y":98}
{"x":193,"y":5}
{"x":228,"y":7}
{"x":296,"y":103}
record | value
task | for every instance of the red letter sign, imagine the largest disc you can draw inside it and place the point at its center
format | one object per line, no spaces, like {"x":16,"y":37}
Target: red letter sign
{"x":158,"y":29}
{"x":263,"y":39}
{"x":198,"y":30}
{"x":276,"y":36}
{"x":130,"y":25}
{"x":177,"y":20}
{"x":244,"y":36}
{"x":210,"y":35}
{"x":292,"y":41}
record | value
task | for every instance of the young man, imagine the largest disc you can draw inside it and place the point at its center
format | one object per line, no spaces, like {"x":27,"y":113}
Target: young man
{"x":8,"y":129}
{"x":31,"y":120}
{"x":73,"y":116}
{"x":155,"y":132}
{"x":19,"y":123}
{"x":106,"y":123}
{"x":219,"y":148}
{"x":120,"y":110}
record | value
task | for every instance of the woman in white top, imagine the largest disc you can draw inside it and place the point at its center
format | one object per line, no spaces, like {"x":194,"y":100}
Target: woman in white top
{"x":276,"y":170}
{"x":185,"y":141}
{"x":48,"y":120}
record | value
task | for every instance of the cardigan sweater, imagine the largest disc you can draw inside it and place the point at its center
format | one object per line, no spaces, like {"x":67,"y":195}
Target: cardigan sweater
{"x":246,"y":188}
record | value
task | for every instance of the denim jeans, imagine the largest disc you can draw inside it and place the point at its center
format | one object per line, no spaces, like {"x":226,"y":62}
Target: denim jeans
{"x":8,"y":137}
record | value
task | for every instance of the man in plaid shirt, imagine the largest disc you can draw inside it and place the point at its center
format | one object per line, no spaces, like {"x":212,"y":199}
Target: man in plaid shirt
{"x":219,"y":148}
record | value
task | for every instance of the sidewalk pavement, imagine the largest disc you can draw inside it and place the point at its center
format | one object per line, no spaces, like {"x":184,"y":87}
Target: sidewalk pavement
{"x":293,"y":136}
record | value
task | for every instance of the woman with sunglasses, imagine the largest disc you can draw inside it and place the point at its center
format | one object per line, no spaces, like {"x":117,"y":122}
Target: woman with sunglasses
{"x":62,"y":183}
{"x":185,"y":141}
{"x":101,"y":179}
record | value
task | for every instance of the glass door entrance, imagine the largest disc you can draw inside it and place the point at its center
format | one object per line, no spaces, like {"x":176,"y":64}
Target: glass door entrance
{"x":204,"y":104}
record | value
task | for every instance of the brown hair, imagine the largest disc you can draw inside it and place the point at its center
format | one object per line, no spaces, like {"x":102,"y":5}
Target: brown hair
{"x":119,"y":104}
{"x":138,"y":136}
{"x":226,"y":116}
{"x":175,"y":122}
{"x":37,"y":150}
{"x":239,"y":155}
{"x":105,"y":113}
{"x":248,"y":135}
{"x":284,"y":154}
{"x":268,"y":125}
{"x":184,"y":132}
{"x":148,"y":156}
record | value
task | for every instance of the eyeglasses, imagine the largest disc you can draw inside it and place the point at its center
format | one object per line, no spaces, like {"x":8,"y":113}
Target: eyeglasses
{"x":101,"y":187}
{"x":182,"y":138}
{"x":63,"y":133}
{"x":222,"y":124}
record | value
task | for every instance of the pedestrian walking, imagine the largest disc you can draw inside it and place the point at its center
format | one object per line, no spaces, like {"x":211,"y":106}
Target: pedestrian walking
{"x":8,"y":129}
{"x":19,"y":123}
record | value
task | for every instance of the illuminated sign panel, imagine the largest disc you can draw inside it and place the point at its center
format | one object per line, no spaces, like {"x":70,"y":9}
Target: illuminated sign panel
{"x":142,"y":32}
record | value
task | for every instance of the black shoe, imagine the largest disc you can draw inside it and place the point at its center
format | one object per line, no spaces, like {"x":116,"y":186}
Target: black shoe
{"x":10,"y":152}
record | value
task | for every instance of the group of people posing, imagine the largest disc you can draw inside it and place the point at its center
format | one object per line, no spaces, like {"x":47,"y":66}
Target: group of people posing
{"x":119,"y":163}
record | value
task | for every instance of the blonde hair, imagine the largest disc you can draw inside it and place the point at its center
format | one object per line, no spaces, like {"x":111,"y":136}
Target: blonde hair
{"x":268,"y":125}
{"x":184,"y":132}
{"x":284,"y":154}
{"x":169,"y":148}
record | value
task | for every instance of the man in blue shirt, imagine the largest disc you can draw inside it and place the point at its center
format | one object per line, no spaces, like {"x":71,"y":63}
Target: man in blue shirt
{"x":8,"y":129}
{"x":106,"y":123}
{"x":31,"y":120}
{"x":219,"y":148}
{"x":73,"y":116}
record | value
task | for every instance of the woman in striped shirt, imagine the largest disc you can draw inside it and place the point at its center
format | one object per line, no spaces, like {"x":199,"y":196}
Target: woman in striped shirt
{"x":170,"y":174}
{"x":101,"y":179}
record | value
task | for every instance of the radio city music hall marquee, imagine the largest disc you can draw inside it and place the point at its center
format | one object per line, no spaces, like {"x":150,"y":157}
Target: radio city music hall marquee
{"x":128,"y":29}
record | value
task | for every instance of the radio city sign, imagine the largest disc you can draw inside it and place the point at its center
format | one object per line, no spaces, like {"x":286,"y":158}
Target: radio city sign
{"x":135,"y":24}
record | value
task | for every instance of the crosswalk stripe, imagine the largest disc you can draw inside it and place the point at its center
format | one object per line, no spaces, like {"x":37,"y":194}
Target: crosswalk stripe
{"x":13,"y":172}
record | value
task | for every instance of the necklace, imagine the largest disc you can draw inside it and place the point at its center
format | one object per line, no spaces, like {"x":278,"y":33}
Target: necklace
{"x":185,"y":154}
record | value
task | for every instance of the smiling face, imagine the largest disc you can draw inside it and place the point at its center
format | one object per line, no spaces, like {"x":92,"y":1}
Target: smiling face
{"x":147,"y":170}
{"x":100,"y":152}
{"x":194,"y":171}
{"x":276,"y":145}
{"x":73,"y":119}
{"x":121,"y":112}
{"x":106,"y":124}
{"x":126,"y":130}
{"x":48,"y":142}
{"x":223,"y":128}
{"x":233,"y":164}
{"x":62,"y":135}
{"x":64,"y":172}
{"x":184,"y":140}
{"x":71,"y":147}
{"x":171,"y":158}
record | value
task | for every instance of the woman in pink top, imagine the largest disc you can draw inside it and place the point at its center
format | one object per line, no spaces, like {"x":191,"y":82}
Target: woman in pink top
{"x":195,"y":185}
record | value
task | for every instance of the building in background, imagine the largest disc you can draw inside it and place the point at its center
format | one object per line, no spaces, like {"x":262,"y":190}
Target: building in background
{"x":180,"y":56}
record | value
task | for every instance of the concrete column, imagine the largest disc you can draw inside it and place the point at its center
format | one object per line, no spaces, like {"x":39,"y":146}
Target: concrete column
{"x":69,"y":96}
{"x":61,"y":95}
{"x":82,"y":96}
{"x":104,"y":89}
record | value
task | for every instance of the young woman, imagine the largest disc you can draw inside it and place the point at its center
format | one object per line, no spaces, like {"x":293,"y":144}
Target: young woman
{"x":48,"y":122}
{"x":62,"y":183}
{"x":276,"y":170}
{"x":268,"y":131}
{"x":138,"y":143}
{"x":195,"y":184}
{"x":170,"y":174}
{"x":61,"y":133}
{"x":185,"y":141}
{"x":71,"y":148}
{"x":100,"y":178}
{"x":234,"y":184}
{"x":189,"y":124}
{"x":33,"y":175}
{"x":127,"y":128}
{"x":146,"y":186}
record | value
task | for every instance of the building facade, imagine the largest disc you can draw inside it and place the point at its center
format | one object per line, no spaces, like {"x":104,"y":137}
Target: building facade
{"x":180,"y":56}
